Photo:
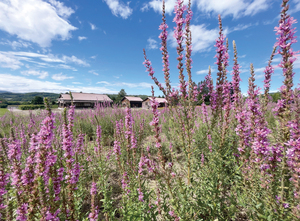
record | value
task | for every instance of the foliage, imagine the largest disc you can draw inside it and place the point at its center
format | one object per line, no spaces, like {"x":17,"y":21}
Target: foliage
{"x":31,"y":107}
{"x":3,"y":111}
{"x":37,"y":100}
{"x":22,"y":97}
{"x":234,"y":159}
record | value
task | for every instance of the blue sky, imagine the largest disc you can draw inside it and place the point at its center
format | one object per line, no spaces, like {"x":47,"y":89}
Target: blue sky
{"x":97,"y":46}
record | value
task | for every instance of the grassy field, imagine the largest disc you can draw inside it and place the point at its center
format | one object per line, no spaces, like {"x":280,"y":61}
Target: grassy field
{"x":3,"y":111}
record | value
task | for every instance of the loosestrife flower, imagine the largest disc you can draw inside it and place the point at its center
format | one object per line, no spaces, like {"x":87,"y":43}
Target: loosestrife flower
{"x":21,"y":212}
{"x":222,"y":62}
{"x":236,"y":79}
{"x":259,"y":130}
{"x":284,"y":43}
{"x":4,"y":180}
{"x":141,"y":195}
{"x":125,"y":183}
{"x":93,"y":216}
{"x":164,"y":36}
{"x":269,"y":70}
{"x":179,"y":10}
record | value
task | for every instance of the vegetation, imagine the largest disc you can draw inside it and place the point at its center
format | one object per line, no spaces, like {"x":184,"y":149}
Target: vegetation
{"x":116,"y":98}
{"x":31,"y":107}
{"x":234,"y":159}
{"x":3,"y":111}
{"x":27,"y":97}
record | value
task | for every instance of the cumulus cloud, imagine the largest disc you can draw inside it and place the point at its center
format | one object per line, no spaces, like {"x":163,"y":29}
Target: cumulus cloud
{"x":74,"y":59}
{"x":60,"y":77}
{"x":156,"y":5}
{"x":16,"y":44}
{"x":39,"y":74}
{"x":93,"y":27}
{"x":236,"y":8}
{"x":130,"y":85}
{"x":296,"y":7}
{"x":20,"y":84}
{"x":8,"y":61}
{"x":12,"y":59}
{"x":118,"y":8}
{"x":205,"y":71}
{"x":61,"y":9}
{"x":36,"y":20}
{"x":152,"y":44}
{"x":93,"y":72}
{"x":203,"y":39}
{"x":80,"y":38}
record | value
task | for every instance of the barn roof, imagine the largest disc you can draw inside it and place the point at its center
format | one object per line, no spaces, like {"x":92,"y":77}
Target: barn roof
{"x":85,"y":97}
{"x":133,"y":99}
{"x":159,"y":100}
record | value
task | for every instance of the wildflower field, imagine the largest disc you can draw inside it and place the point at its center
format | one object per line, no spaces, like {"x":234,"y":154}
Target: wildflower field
{"x":233,"y":159}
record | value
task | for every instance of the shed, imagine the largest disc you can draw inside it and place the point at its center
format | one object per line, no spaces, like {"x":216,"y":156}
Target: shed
{"x":161,"y":102}
{"x":132,"y":102}
{"x":83,"y":100}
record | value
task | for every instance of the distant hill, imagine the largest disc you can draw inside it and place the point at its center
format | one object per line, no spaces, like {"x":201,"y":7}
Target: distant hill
{"x":25,"y":97}
{"x":4,"y":92}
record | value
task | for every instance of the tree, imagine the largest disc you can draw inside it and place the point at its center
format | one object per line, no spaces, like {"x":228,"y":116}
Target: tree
{"x":204,"y":91}
{"x":120,"y":96}
{"x":122,"y":93}
{"x":37,"y":100}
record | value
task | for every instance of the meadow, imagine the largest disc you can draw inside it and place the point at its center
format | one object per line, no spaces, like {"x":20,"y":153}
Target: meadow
{"x":234,"y":159}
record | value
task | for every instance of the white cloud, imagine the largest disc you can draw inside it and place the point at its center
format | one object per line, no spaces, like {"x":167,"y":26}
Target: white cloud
{"x":259,"y":72}
{"x":40,"y":74}
{"x":236,"y":8}
{"x":76,"y":83}
{"x":145,"y":7}
{"x":16,"y":44}
{"x":204,"y":71}
{"x":119,"y":8}
{"x":130,"y":85}
{"x":103,"y":82}
{"x":296,"y":64}
{"x":202,"y":38}
{"x":295,"y":8}
{"x":156,"y":5}
{"x":241,"y":27}
{"x":67,"y":67}
{"x":152,"y":44}
{"x":93,"y":72}
{"x":31,"y":57}
{"x":74,"y":59}
{"x":61,"y":10}
{"x":80,"y":38}
{"x":22,"y":84}
{"x":60,"y":77}
{"x":36,"y":20}
{"x":93,"y":27}
{"x":8,"y":61}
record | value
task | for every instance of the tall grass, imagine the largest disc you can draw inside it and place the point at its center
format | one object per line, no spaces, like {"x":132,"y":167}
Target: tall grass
{"x":235,"y":159}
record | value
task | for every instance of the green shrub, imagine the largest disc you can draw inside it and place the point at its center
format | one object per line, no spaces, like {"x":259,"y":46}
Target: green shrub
{"x":3,"y":105}
{"x":31,"y":107}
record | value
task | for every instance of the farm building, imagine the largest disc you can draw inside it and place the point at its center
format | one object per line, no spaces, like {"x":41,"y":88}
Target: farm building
{"x":132,"y":102}
{"x":83,"y":100}
{"x":161,"y":102}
